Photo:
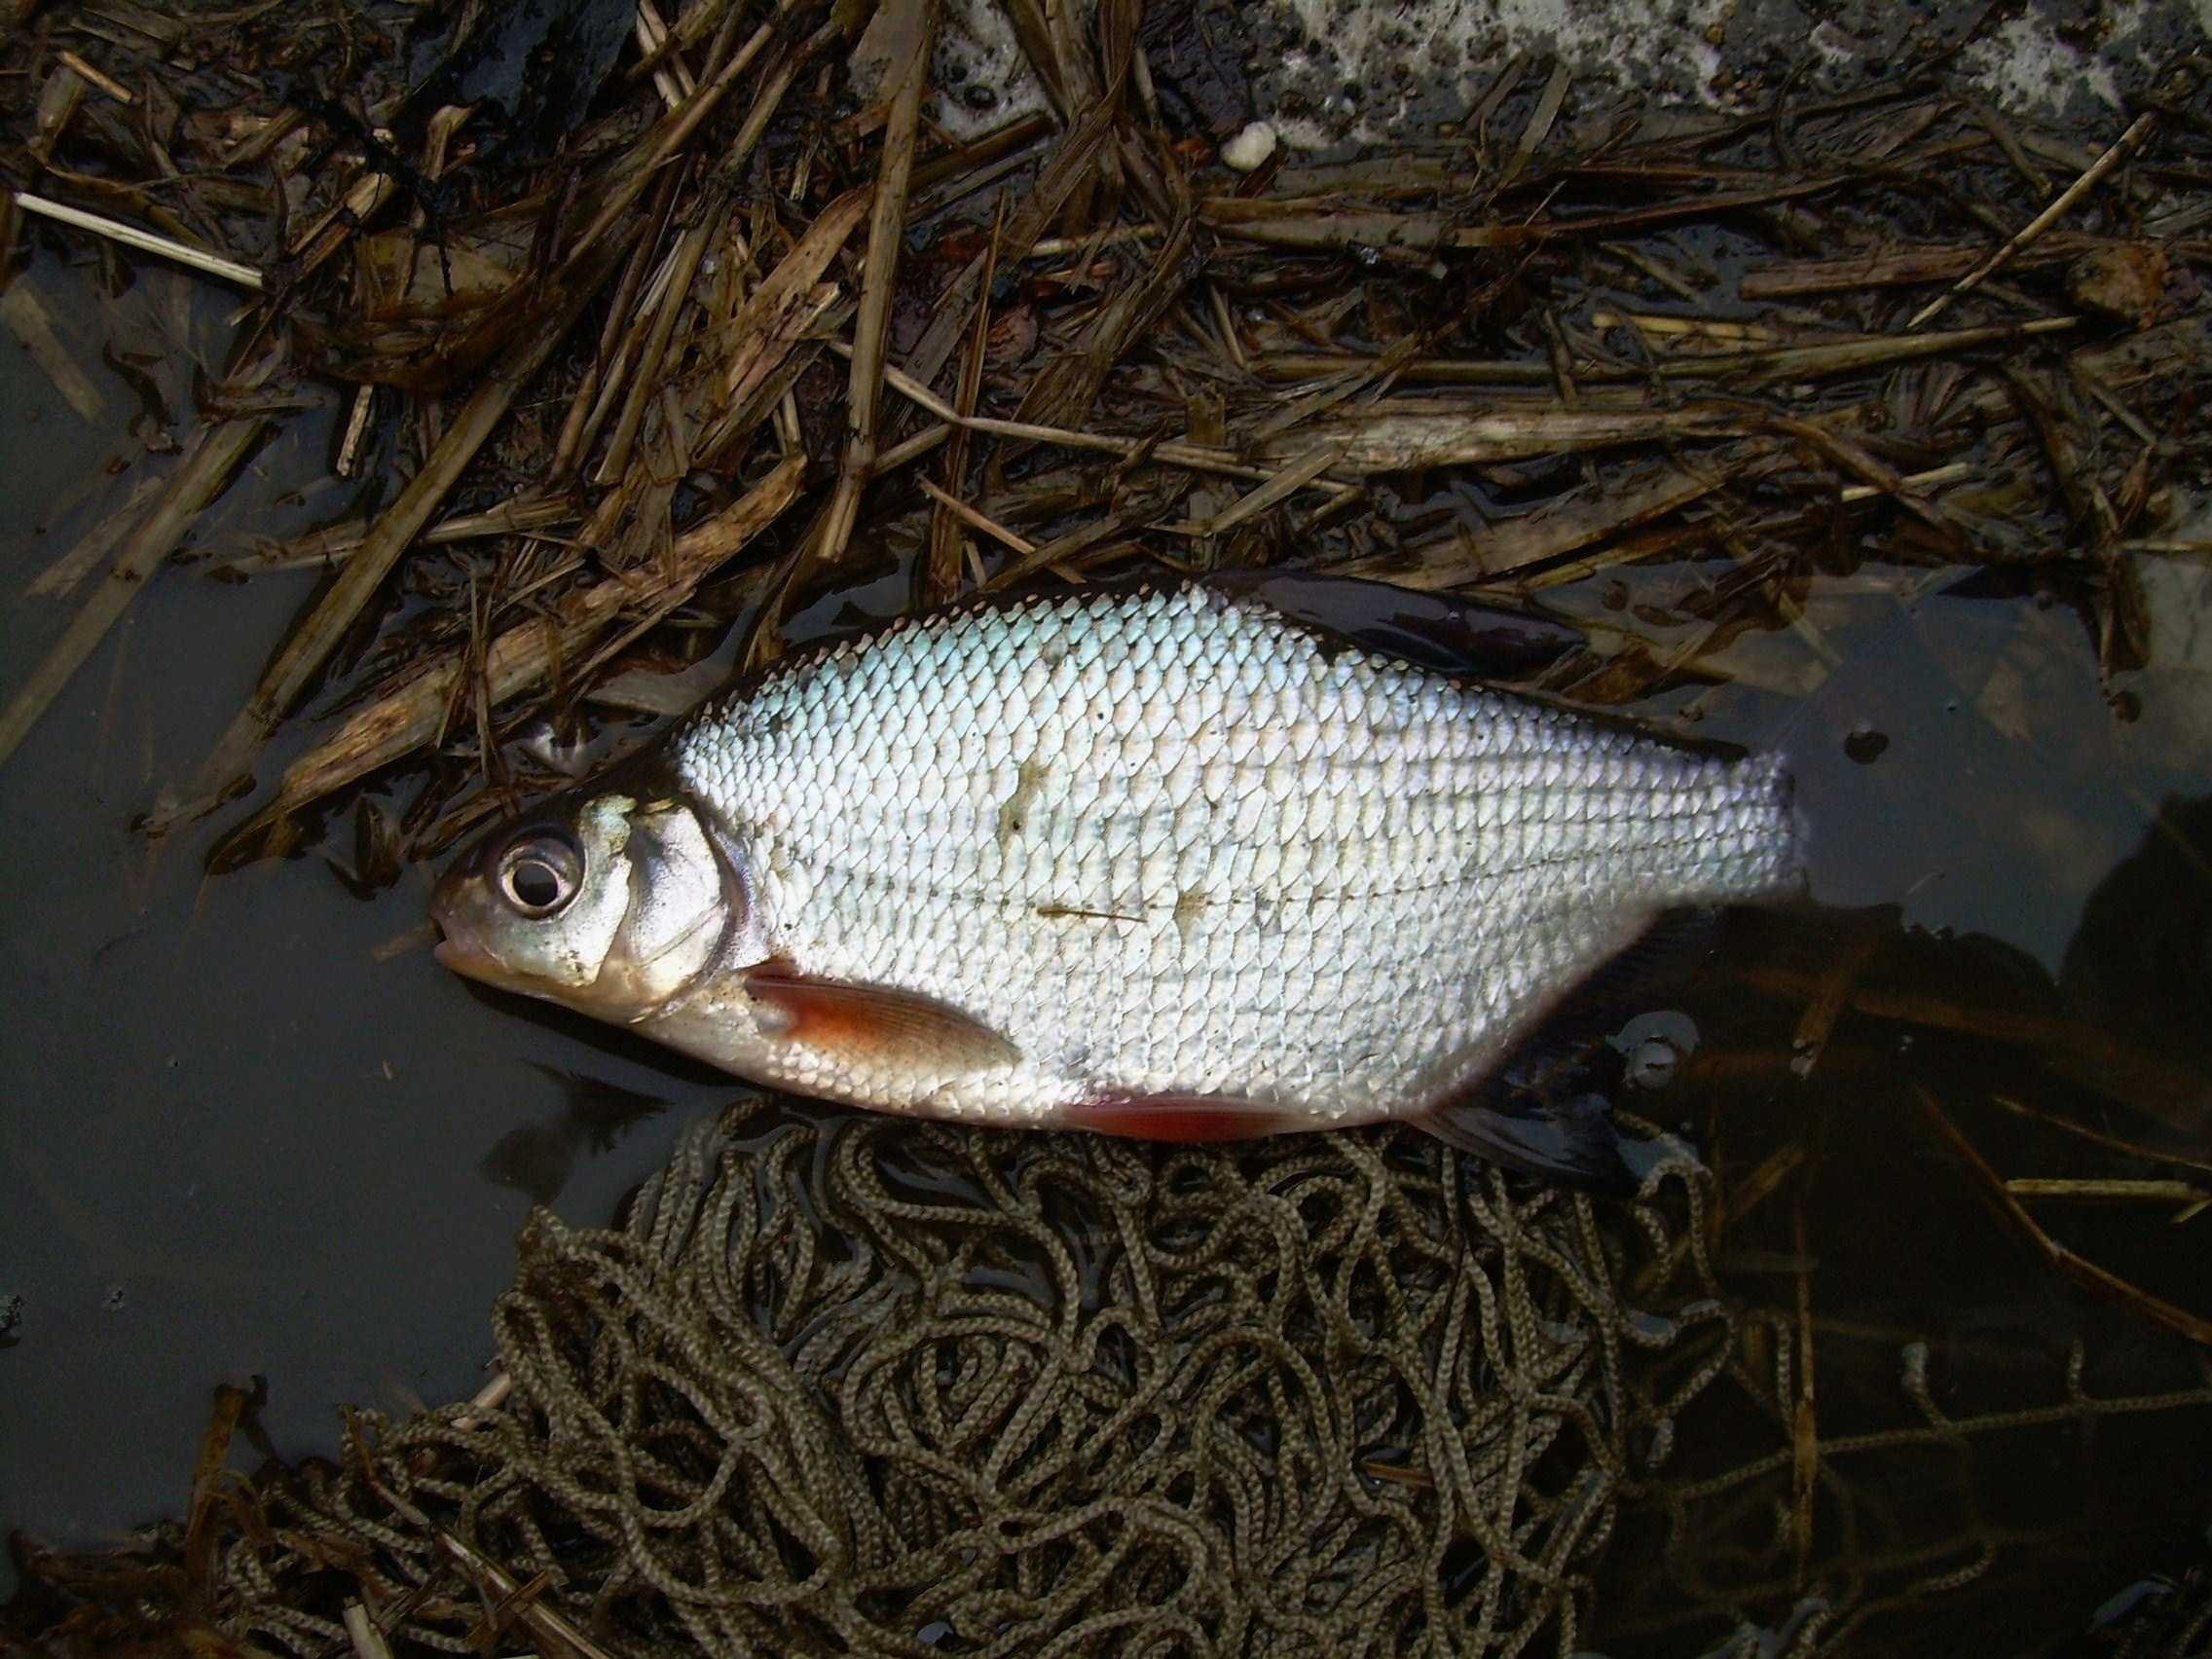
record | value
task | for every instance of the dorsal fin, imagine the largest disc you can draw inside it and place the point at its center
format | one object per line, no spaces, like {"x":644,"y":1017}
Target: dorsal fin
{"x":1437,"y":631}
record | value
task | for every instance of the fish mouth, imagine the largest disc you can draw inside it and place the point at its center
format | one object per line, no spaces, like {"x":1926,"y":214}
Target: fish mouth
{"x":472,"y":961}
{"x":460,"y":947}
{"x":455,"y":949}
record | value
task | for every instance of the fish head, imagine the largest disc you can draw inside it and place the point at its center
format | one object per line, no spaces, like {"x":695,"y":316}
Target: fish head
{"x":609,"y":904}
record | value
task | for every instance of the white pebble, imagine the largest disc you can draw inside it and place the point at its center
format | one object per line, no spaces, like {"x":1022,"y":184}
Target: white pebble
{"x":1250,"y":147}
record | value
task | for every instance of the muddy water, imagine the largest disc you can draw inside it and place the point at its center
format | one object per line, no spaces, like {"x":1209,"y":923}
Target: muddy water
{"x":247,"y":1127}
{"x":234,"y":1142}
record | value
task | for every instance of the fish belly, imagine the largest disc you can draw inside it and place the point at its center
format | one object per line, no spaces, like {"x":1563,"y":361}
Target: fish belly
{"x":1169,"y":846}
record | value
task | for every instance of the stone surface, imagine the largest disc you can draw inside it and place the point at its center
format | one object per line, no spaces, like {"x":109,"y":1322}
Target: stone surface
{"x":1331,"y":72}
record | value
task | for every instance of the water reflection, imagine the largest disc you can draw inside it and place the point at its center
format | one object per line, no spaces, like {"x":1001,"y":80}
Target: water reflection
{"x":2139,"y":967}
{"x":537,"y":1157}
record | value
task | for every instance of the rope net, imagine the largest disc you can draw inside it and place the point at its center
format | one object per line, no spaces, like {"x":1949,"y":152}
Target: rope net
{"x":868,"y":1386}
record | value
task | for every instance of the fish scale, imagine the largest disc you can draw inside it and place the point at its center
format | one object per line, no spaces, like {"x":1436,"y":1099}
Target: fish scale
{"x":1170,"y":844}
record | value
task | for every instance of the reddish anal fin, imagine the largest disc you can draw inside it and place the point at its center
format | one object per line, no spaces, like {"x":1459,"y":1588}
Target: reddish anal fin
{"x":874,"y":1022}
{"x":1183,"y":1118}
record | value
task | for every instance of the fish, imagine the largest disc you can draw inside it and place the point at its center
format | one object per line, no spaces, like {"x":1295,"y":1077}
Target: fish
{"x":1198,"y":860}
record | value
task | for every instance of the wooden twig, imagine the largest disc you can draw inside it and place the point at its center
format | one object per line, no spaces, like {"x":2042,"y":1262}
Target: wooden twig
{"x":362,"y":1632}
{"x":911,"y":450}
{"x":1951,"y":472}
{"x":1831,"y":994}
{"x":1892,"y":267}
{"x":2060,"y":205}
{"x":2148,"y":1082}
{"x":544,"y":1623}
{"x":486,"y":1400}
{"x":2097,"y":1137}
{"x":1192,"y":456}
{"x":1540,"y":119}
{"x":879,"y":272}
{"x":1561,"y":529}
{"x":1771,"y":362}
{"x":1857,"y":459}
{"x":213,"y":457}
{"x":691,"y":27}
{"x":31,"y":321}
{"x":645,"y":385}
{"x":60,"y":578}
{"x":145,"y":241}
{"x":2107,"y":1191}
{"x":1804,"y":1418}
{"x":2077,"y":1267}
{"x":310,"y":643}
{"x":401,"y":720}
{"x":94,"y":76}
{"x":673,"y":80}
{"x":364,"y":199}
{"x":941,"y":573}
{"x":1386,"y":438}
{"x":1296,"y":225}
{"x":357,"y":430}
{"x":776,"y":312}
{"x":975,"y":520}
{"x":1294,"y":477}
{"x":325,"y":550}
{"x":676,"y":128}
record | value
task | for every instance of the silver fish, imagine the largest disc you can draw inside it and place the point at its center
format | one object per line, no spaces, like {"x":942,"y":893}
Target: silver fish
{"x":1167,"y":863}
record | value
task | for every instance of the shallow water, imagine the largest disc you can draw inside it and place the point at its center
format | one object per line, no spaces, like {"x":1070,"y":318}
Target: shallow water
{"x":235,"y":1142}
{"x":245,"y":1122}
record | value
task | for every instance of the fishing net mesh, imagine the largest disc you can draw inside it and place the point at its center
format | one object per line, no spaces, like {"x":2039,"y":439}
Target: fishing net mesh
{"x":857,"y":1385}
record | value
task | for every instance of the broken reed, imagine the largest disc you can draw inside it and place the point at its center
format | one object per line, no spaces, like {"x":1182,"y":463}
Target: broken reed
{"x":709,"y":316}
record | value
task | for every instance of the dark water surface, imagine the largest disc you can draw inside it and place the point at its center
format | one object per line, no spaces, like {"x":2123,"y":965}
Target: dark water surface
{"x":234,"y":1141}
{"x":248,"y":1126}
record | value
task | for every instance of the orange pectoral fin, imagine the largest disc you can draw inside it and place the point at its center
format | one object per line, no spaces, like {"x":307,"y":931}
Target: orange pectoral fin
{"x":874,"y":1022}
{"x":1184,"y":1118}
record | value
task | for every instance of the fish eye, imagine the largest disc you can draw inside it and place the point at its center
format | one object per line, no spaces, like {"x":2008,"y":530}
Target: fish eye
{"x":540,"y":872}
